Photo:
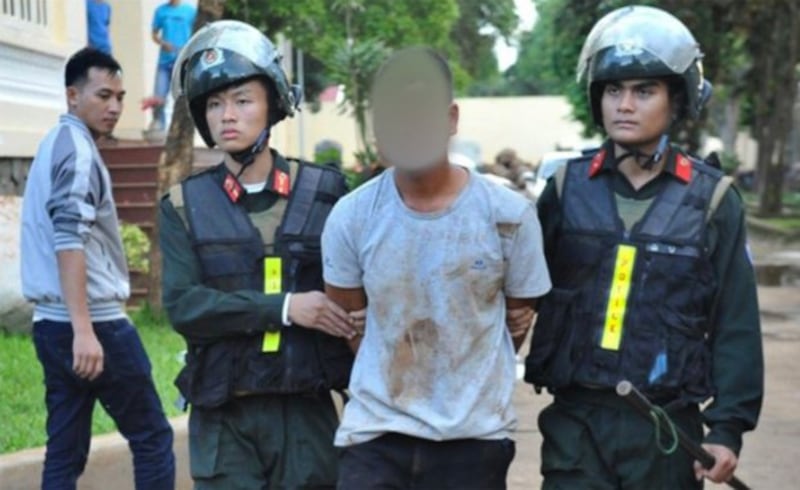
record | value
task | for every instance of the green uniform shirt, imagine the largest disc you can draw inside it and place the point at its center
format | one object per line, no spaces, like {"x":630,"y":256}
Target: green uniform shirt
{"x":737,"y":358}
{"x":202,"y":314}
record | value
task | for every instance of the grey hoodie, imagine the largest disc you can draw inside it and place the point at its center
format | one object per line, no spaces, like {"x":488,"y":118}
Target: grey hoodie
{"x":68,"y":206}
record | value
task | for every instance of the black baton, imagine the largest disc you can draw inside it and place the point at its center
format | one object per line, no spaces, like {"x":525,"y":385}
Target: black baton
{"x":626,"y":390}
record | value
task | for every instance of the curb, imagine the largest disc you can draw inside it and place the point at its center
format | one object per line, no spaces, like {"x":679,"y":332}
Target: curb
{"x":109,"y":464}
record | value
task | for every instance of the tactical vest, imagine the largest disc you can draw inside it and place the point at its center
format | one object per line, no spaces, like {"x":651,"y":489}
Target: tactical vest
{"x":630,"y":304}
{"x":231,"y":251}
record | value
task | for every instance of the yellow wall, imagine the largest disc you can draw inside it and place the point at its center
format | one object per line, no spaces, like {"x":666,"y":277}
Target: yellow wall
{"x":137,"y":54}
{"x":529,"y":125}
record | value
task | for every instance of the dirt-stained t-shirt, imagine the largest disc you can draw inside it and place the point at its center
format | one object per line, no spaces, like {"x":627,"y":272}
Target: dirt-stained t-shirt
{"x":436,"y":361}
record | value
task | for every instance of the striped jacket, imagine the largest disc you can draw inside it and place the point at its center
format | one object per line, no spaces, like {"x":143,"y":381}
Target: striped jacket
{"x":68,"y":206}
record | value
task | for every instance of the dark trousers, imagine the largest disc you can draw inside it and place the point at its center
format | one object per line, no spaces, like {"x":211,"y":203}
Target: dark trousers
{"x":261,"y":442}
{"x":594,"y":441}
{"x":396,"y":461}
{"x":125,"y":390}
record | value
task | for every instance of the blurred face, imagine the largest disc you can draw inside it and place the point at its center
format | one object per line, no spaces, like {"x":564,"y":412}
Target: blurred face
{"x":97,"y":101}
{"x":636,"y":112}
{"x":237,"y":115}
{"x":412,"y":112}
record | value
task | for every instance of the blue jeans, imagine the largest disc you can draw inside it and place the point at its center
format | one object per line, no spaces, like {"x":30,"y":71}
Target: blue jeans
{"x":125,"y":390}
{"x":163,"y":78}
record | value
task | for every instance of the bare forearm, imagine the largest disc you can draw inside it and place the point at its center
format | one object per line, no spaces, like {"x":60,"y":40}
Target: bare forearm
{"x":520,"y":313}
{"x":350,"y":300}
{"x":72,"y":277}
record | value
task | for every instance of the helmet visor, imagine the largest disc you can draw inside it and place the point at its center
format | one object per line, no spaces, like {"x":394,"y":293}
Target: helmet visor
{"x":636,"y":31}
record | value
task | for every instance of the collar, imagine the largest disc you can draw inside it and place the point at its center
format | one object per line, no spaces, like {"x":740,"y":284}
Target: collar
{"x":678,"y":163}
{"x":278,"y":180}
{"x":73,"y":120}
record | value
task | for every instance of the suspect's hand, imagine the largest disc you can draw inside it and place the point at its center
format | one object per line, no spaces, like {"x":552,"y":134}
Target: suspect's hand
{"x":87,"y":355}
{"x":519,"y":320}
{"x":358,"y":319}
{"x":314,"y":310}
{"x":724,"y":466}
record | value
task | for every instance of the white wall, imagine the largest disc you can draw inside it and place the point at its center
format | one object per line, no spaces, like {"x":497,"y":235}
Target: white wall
{"x":32,"y":55}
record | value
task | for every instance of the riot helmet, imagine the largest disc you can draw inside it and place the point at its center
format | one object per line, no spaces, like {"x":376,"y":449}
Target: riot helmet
{"x":643,"y":42}
{"x":226,"y":53}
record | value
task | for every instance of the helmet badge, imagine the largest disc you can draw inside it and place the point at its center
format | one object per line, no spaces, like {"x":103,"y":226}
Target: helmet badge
{"x":211,"y":57}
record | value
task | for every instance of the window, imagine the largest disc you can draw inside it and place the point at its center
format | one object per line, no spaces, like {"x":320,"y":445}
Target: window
{"x":33,"y":11}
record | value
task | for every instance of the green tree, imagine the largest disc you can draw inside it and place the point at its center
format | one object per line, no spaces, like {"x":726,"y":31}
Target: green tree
{"x":771,"y":30}
{"x":479,"y":24}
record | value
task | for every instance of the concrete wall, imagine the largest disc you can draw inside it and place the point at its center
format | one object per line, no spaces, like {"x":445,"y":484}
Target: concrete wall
{"x":530,"y":125}
{"x":33,"y":48}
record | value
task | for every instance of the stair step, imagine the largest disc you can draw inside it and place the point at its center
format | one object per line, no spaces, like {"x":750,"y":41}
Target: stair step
{"x":136,"y":213}
{"x":135,"y":192}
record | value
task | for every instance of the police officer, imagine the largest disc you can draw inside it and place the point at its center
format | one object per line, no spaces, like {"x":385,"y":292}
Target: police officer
{"x":242,"y":278}
{"x":652,"y":281}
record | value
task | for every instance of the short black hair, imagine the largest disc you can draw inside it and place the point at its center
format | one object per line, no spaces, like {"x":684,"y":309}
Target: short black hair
{"x":77,"y":70}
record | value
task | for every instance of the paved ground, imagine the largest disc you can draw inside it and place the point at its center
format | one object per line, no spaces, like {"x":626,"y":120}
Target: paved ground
{"x":770,"y":460}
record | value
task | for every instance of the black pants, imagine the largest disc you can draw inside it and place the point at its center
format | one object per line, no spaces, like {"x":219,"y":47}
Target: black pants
{"x":259,"y":442}
{"x":594,"y":441}
{"x":396,"y":461}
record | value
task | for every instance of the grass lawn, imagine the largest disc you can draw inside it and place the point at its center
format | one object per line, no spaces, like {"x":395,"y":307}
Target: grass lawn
{"x":22,"y":410}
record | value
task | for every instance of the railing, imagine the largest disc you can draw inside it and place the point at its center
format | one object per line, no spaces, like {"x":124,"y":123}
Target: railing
{"x":33,"y":11}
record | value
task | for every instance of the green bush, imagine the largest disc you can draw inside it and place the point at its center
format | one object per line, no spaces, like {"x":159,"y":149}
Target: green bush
{"x":328,"y":155}
{"x":137,"y":247}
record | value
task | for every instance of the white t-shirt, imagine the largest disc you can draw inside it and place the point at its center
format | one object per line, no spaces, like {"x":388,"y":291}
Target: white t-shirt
{"x":436,"y":361}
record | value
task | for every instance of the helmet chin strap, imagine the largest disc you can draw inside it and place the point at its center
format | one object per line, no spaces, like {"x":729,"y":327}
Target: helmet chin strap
{"x":247,"y":156}
{"x":644,"y":160}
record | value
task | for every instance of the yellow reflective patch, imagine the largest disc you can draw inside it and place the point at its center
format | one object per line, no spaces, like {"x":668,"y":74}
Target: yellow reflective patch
{"x":271,"y":342}
{"x":618,"y":297}
{"x":273,"y":273}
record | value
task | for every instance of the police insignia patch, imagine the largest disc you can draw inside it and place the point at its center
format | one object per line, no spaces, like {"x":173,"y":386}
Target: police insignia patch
{"x":232,"y":188}
{"x":211,"y":57}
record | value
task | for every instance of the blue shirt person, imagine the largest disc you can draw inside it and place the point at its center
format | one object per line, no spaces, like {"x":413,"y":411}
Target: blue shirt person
{"x":171,"y":28}
{"x":98,"y":20}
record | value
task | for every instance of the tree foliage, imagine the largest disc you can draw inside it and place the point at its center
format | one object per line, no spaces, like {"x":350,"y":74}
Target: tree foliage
{"x":464,"y":30}
{"x":475,"y":31}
